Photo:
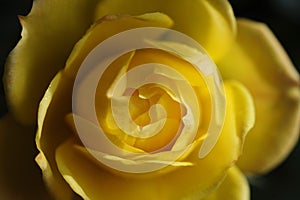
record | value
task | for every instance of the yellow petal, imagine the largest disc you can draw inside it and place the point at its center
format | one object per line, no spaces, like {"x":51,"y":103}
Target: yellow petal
{"x":57,"y":101}
{"x":19,"y":175}
{"x":49,"y":33}
{"x":234,"y":187}
{"x":260,"y":62}
{"x":112,"y":24}
{"x":190,"y":182}
{"x":47,"y":139}
{"x":211,"y":23}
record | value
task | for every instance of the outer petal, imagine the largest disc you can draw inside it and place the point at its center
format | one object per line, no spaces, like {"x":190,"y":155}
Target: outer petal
{"x":112,"y":24}
{"x":93,"y":182}
{"x":20,"y":177}
{"x":211,"y":23}
{"x":259,"y":61}
{"x":49,"y":34}
{"x":57,"y":101}
{"x":234,"y":187}
{"x":52,"y":131}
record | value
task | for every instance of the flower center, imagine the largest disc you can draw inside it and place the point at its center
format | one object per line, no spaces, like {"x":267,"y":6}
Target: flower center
{"x":152,"y":104}
{"x":144,"y":105}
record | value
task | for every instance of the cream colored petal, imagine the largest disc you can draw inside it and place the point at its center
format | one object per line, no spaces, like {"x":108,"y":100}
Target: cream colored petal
{"x":211,"y":23}
{"x":20,"y":177}
{"x":89,"y":180}
{"x":234,"y":187}
{"x":260,"y":62}
{"x":49,"y":33}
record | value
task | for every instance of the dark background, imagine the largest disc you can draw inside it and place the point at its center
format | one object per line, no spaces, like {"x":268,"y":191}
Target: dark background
{"x":282,"y":16}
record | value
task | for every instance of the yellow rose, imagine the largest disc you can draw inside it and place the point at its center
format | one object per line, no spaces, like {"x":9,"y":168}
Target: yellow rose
{"x":187,"y":151}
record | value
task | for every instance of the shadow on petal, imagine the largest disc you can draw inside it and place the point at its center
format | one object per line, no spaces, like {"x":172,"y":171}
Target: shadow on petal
{"x":20,"y":177}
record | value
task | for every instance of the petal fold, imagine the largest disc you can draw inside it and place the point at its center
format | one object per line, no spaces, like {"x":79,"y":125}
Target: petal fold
{"x":203,"y":20}
{"x":234,"y":187}
{"x":261,"y":64}
{"x":49,"y":33}
{"x":52,"y":131}
{"x":108,"y":26}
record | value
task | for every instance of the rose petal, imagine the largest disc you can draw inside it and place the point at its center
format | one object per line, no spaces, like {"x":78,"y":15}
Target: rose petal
{"x":57,"y":101}
{"x":19,"y":176}
{"x":259,"y":61}
{"x":52,"y":131}
{"x":88,"y":179}
{"x":234,"y":187}
{"x":49,"y":34}
{"x":112,"y":25}
{"x":205,"y":21}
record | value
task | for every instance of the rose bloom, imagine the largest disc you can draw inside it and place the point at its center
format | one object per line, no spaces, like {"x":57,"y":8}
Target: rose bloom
{"x":259,"y":129}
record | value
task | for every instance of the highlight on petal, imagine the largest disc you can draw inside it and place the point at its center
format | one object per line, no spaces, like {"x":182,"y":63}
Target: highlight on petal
{"x":234,"y":187}
{"x":93,"y":180}
{"x":211,"y":23}
{"x":20,"y":177}
{"x":52,"y":131}
{"x":49,"y":33}
{"x":261,"y":64}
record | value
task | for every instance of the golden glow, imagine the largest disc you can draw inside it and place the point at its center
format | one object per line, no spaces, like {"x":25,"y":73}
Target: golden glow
{"x":149,"y":95}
